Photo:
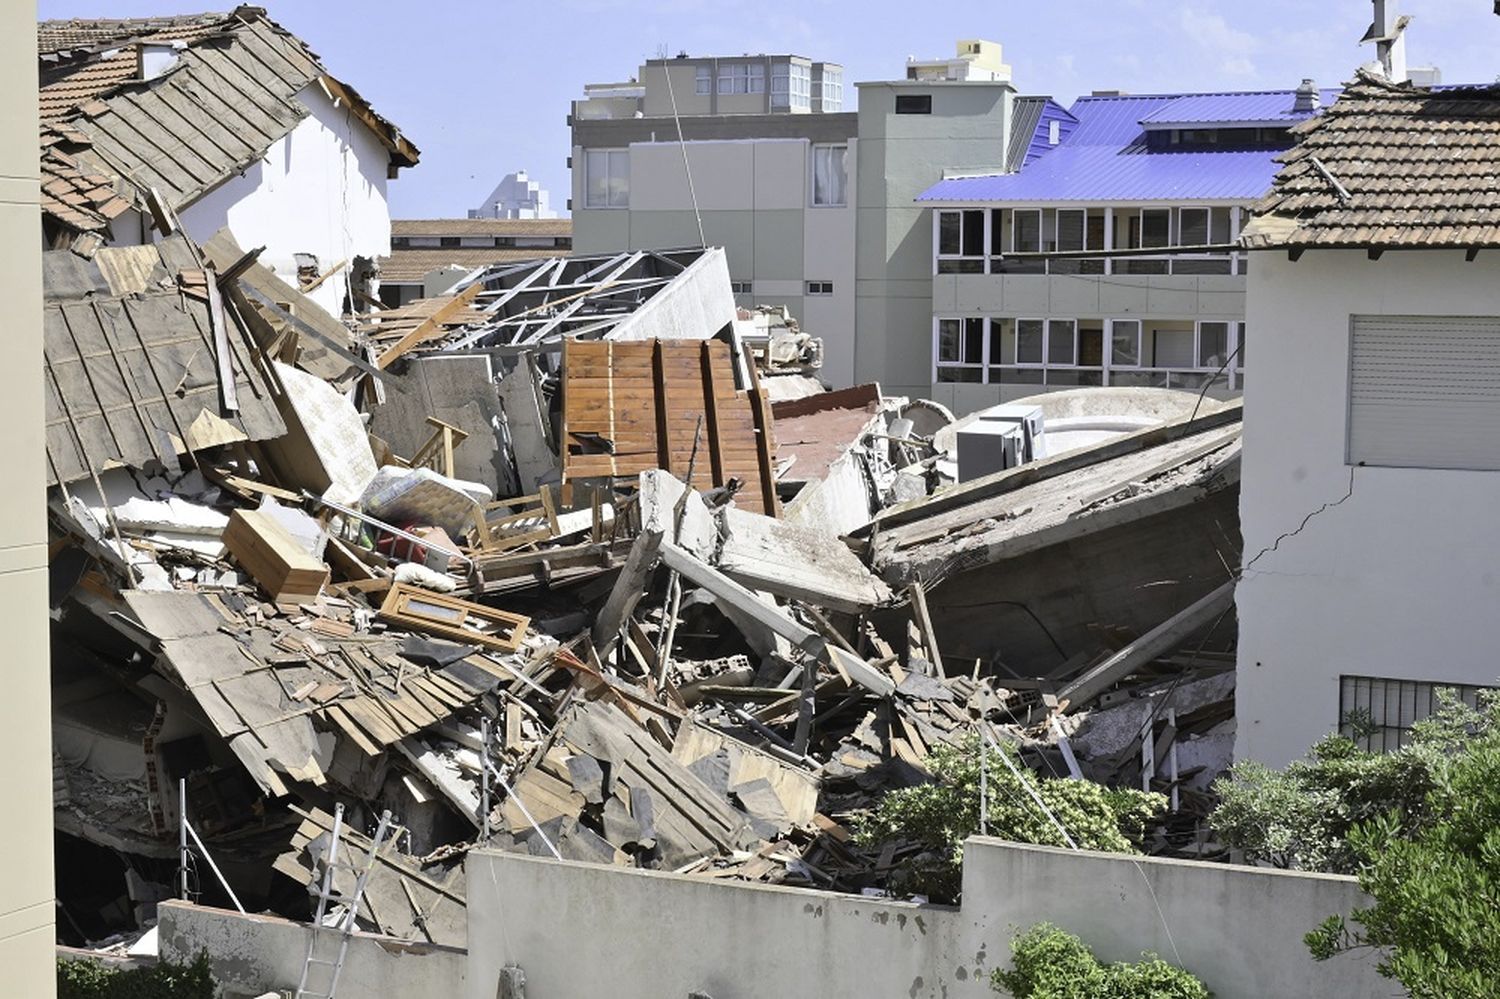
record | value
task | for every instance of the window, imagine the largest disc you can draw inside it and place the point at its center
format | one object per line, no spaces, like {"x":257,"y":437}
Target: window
{"x":1062,"y":341}
{"x":705,"y":82}
{"x":400,"y":241}
{"x":1029,"y":341}
{"x":1054,"y":132}
{"x":734,"y":78}
{"x":833,"y":90}
{"x":800,"y":80}
{"x":1424,"y":391}
{"x":757,"y":82}
{"x":1192,"y":227}
{"x":830,"y":175}
{"x":1213,"y":344}
{"x":1125,"y":343}
{"x":820,"y":287}
{"x":740,"y":288}
{"x":606,"y":178}
{"x":1156,"y":227}
{"x":960,"y":350}
{"x":1387,"y":709}
{"x":961,"y":236}
{"x":1026,"y":231}
{"x":1070,"y":229}
{"x":914,"y":104}
{"x":449,"y":241}
{"x":781,"y":85}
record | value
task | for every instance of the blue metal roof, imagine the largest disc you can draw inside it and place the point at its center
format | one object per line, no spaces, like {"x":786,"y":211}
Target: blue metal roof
{"x":1106,"y":159}
{"x":1267,"y":106}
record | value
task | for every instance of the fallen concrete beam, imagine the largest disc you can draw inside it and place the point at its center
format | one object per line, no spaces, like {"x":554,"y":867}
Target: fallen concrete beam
{"x":776,"y":620}
{"x":1158,"y":641}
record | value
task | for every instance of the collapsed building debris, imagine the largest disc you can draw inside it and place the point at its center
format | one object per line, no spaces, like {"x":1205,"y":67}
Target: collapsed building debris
{"x":623,"y":608}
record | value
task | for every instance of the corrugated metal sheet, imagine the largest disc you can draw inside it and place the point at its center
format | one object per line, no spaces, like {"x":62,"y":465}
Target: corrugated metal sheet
{"x":1025,"y":116}
{"x":1232,"y":109}
{"x":1101,"y":175}
{"x":1104,"y":158}
{"x":1041,"y":136}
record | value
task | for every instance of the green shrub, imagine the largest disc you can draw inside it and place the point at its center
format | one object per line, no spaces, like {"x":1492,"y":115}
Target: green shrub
{"x":940,"y":815}
{"x":1051,"y":963}
{"x":1302,"y":817}
{"x":1435,"y":884}
{"x":84,"y":979}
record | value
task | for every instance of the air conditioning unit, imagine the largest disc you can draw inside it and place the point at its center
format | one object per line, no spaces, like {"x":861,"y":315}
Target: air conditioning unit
{"x":998,"y":438}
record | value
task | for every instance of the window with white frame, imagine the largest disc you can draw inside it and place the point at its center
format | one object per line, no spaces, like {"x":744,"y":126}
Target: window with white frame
{"x":1026,"y":230}
{"x":1072,"y":229}
{"x":830,"y":175}
{"x":757,"y":82}
{"x":1030,"y":340}
{"x":1125,"y":343}
{"x":1062,"y":342}
{"x":606,"y":178}
{"x":781,"y":85}
{"x":960,"y":241}
{"x":820,"y":287}
{"x":705,"y":81}
{"x":1424,"y":392}
{"x":800,"y":83}
{"x":1156,"y":227}
{"x":833,"y":90}
{"x":741,"y":287}
{"x":1193,"y":227}
{"x":1212,"y":344}
{"x":960,"y":350}
{"x":734,"y":78}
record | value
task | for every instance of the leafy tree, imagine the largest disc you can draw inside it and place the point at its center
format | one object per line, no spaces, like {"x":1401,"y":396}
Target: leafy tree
{"x":939,"y":816}
{"x":1302,"y":817}
{"x":1051,"y":963}
{"x":1436,"y":887}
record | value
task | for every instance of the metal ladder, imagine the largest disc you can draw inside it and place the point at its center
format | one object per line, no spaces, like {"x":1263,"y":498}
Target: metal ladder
{"x":344,"y":928}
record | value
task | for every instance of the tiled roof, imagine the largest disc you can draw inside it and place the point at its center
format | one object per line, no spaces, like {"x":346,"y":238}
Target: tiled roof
{"x":1106,"y":158}
{"x":410,"y":266}
{"x":73,"y":195}
{"x":230,"y":95}
{"x":481,"y":227}
{"x":1418,"y":168}
{"x":95,"y":33}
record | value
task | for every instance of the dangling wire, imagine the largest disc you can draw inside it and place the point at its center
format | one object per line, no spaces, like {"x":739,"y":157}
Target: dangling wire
{"x":682,"y":144}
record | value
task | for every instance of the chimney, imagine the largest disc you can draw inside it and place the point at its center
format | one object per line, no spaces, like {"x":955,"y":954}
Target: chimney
{"x":1388,"y":33}
{"x":1307,"y":98}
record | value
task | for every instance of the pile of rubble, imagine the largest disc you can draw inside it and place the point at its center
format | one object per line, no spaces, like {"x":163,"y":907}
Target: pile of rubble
{"x":541,"y":565}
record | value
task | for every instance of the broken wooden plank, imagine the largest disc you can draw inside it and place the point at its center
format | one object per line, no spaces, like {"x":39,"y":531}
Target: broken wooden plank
{"x":461,"y":620}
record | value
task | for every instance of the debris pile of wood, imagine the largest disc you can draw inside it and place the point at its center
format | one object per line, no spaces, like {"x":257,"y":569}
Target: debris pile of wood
{"x":564,"y":596}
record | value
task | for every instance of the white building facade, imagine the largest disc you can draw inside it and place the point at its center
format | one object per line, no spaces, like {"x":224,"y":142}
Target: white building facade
{"x":1371,"y":469}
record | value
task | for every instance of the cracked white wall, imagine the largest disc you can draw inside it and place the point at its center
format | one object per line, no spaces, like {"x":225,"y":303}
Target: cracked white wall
{"x":1398,"y":580}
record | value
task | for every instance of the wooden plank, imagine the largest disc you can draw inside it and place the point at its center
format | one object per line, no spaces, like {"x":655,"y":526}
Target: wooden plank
{"x":430,"y":327}
{"x":663,"y":431}
{"x":273,"y":557}
{"x":422,"y":610}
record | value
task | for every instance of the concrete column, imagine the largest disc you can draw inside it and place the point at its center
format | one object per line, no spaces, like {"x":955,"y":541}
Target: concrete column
{"x":27,"y":936}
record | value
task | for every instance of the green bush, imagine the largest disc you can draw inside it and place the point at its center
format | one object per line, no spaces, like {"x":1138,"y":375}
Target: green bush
{"x":1302,"y":817}
{"x":84,"y":979}
{"x":940,"y":815}
{"x":1051,"y":963}
{"x":1435,"y":883}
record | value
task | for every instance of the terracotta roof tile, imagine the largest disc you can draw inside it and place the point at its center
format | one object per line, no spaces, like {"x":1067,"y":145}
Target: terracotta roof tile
{"x":1418,"y":167}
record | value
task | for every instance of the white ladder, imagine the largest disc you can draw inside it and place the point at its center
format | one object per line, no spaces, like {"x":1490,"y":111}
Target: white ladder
{"x":344,"y":928}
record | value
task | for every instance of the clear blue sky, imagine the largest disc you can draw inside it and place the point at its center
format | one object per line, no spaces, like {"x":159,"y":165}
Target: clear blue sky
{"x":483,"y":86}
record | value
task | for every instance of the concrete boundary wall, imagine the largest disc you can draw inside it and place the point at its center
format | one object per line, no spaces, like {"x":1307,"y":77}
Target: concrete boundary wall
{"x":252,"y":955}
{"x":587,"y":930}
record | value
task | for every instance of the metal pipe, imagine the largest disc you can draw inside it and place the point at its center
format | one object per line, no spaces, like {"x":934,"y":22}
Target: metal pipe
{"x":182,"y":838}
{"x":213,"y":866}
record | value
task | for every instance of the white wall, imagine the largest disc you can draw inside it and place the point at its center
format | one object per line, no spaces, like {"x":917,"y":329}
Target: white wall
{"x":1398,"y":580}
{"x":589,"y":930}
{"x":27,"y":911}
{"x":252,"y":955}
{"x":321,"y":189}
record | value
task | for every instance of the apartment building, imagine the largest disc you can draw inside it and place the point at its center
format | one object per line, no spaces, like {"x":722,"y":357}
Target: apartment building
{"x":770,"y":167}
{"x":1108,"y":256}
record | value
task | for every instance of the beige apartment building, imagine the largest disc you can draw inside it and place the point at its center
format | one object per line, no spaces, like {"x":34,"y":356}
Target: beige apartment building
{"x":27,"y":911}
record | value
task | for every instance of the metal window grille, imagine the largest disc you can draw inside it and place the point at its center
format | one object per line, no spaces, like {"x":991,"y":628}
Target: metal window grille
{"x":1385,"y":710}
